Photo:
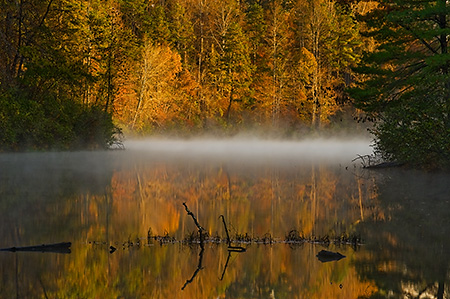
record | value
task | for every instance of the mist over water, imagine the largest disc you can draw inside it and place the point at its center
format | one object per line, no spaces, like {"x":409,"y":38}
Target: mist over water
{"x":263,"y":187}
{"x":254,"y":150}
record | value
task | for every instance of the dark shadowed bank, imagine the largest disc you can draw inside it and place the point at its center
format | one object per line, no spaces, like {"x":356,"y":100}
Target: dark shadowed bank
{"x":49,"y":123}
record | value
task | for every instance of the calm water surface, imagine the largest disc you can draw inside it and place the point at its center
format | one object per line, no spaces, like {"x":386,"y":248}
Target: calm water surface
{"x":263,"y":188}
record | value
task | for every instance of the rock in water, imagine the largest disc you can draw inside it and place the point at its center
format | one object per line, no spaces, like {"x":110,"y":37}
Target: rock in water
{"x":329,"y":256}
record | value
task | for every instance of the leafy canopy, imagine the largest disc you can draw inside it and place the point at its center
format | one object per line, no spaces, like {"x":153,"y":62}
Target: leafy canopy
{"x":406,"y":85}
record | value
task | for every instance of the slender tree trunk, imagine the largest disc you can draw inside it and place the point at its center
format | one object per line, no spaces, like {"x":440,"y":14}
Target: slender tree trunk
{"x":110,"y":71}
{"x":16,"y":65}
{"x":141,"y":92}
{"x":275,"y":70}
{"x":200,"y":66}
{"x":230,"y":102}
{"x":316,"y":84}
{"x":315,"y":36}
{"x":87,"y":92}
{"x":442,"y":17}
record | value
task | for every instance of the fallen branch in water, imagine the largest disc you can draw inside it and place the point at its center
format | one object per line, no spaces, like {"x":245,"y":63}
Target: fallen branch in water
{"x":226,"y":230}
{"x":230,"y":247}
{"x":63,"y":247}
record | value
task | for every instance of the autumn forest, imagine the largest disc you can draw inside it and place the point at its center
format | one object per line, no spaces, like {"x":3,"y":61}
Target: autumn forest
{"x":69,"y":69}
{"x":80,"y":74}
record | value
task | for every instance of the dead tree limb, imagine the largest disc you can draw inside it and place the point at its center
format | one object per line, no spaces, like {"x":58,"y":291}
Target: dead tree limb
{"x":230,"y":247}
{"x":226,"y":230}
{"x":200,"y":228}
{"x":193,"y":217}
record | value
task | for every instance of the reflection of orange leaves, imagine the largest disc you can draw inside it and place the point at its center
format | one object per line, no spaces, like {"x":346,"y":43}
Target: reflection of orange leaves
{"x":161,"y":216}
{"x":150,"y":197}
{"x":190,"y":194}
{"x":391,"y":239}
{"x":135,"y":194}
{"x":301,"y":191}
{"x":123,"y":186}
{"x":390,"y":266}
{"x":93,"y":209}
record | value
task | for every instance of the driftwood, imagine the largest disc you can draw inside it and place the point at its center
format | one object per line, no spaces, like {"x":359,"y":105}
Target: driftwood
{"x":329,"y":256}
{"x":63,"y":247}
{"x":376,"y":162}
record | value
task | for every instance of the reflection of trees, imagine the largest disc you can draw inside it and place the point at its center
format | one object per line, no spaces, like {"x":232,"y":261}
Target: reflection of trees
{"x":256,"y":201}
{"x":47,"y":198}
{"x":408,"y":250}
{"x":115,"y":206}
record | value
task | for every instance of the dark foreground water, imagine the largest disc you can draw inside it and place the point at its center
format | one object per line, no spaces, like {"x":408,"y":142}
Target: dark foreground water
{"x":264,"y":190}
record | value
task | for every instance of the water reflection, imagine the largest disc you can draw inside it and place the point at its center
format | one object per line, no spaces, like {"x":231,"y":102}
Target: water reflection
{"x":97,"y":200}
{"x":410,"y":244}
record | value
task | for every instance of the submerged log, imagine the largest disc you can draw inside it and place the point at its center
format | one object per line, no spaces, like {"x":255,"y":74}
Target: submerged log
{"x":329,"y":256}
{"x":63,"y":247}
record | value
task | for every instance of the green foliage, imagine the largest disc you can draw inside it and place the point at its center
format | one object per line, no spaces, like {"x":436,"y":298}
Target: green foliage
{"x":230,"y":68}
{"x":181,"y":28}
{"x":406,"y":82}
{"x":45,"y":74}
{"x":159,"y":28}
{"x":49,"y":123}
{"x":344,"y":43}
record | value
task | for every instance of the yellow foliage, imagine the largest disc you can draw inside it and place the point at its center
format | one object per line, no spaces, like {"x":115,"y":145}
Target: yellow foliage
{"x":307,"y":65}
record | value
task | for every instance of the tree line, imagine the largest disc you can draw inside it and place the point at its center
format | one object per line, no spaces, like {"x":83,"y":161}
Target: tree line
{"x":72,"y":71}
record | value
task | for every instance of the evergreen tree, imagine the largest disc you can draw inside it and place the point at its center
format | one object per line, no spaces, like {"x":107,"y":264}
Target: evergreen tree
{"x":182,"y":30}
{"x":230,"y":68}
{"x":159,"y":27}
{"x":407,"y":89}
{"x":256,"y":26}
{"x":229,"y":64}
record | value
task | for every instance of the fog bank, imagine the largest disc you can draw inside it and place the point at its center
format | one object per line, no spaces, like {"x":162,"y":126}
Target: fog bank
{"x":240,"y":149}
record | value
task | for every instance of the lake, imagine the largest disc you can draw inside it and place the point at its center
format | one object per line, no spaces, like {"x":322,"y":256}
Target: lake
{"x":282,"y":202}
